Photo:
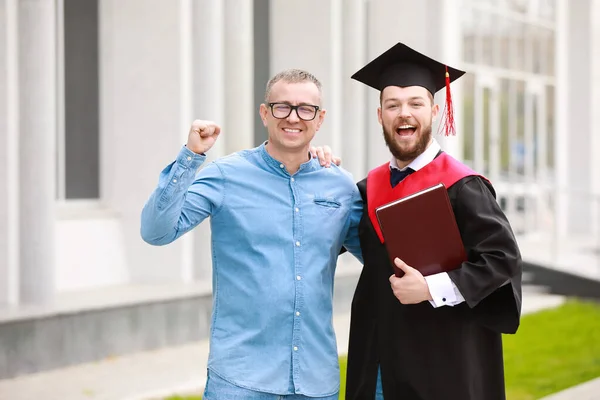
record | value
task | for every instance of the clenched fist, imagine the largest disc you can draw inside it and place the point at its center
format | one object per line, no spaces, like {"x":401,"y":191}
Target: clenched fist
{"x":202,"y":136}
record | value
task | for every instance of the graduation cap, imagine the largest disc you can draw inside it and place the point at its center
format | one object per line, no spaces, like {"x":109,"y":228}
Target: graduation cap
{"x":403,"y":66}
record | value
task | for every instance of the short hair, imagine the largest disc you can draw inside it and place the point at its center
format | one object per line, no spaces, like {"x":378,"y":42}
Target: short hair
{"x":292,"y":76}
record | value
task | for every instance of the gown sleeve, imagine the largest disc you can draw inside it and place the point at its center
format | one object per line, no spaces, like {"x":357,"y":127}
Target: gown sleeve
{"x":490,"y":279}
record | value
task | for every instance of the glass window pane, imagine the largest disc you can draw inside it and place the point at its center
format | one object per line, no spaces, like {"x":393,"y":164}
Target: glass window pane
{"x":544,"y":51}
{"x":504,"y":38}
{"x":504,"y":127}
{"x":518,"y":149}
{"x":550,"y":126}
{"x":82,"y":180}
{"x":487,"y":32}
{"x":518,"y":6}
{"x":469,"y":34}
{"x":486,"y":129}
{"x":546,"y":10}
{"x":468,"y":122}
{"x":517,"y":46}
{"x":531,"y":62}
{"x":535,"y":110}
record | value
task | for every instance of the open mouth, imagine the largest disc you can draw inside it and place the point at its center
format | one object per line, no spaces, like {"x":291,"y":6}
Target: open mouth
{"x":406,"y":130}
{"x":292,"y":130}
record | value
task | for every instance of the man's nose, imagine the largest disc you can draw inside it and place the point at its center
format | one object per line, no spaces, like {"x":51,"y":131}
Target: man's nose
{"x":293,"y":117}
{"x":404,"y":112}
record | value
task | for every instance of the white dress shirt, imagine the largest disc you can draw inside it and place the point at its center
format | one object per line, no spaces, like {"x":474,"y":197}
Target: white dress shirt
{"x":443,"y":291}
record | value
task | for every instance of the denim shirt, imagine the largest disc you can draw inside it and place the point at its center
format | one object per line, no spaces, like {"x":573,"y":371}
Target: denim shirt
{"x":275,"y":242}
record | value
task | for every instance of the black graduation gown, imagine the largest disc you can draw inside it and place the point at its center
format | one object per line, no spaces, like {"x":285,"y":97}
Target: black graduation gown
{"x":445,"y":353}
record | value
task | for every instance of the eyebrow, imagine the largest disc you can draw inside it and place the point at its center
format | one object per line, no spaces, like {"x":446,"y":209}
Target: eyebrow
{"x":299,"y":104}
{"x":410,"y":99}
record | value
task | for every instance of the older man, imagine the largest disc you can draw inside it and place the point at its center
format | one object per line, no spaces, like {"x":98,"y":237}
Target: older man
{"x":278,"y":220}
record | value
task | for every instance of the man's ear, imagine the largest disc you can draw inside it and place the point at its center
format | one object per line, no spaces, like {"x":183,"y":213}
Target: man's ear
{"x":379,"y":115}
{"x":434,"y":111}
{"x":321,"y":118}
{"x":262,"y":110}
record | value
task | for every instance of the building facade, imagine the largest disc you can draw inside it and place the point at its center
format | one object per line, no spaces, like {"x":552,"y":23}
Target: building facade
{"x":97,"y":96}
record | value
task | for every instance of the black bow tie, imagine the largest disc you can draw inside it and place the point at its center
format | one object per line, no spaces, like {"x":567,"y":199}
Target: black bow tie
{"x":397,"y":176}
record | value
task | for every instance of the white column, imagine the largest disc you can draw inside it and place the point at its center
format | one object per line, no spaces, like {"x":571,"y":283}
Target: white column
{"x":316,"y":50}
{"x":595,"y":105}
{"x":579,"y":113}
{"x":209,"y":101}
{"x":9,"y":154}
{"x":37,"y":164}
{"x":384,"y":17}
{"x":562,"y":120}
{"x":334,"y":93}
{"x":355,"y":133}
{"x":186,"y":51}
{"x":451,"y":53}
{"x":209,"y":67}
{"x":239,"y":76}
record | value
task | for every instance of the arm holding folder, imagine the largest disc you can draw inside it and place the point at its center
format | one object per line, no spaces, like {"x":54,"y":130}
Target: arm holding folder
{"x":432,"y":247}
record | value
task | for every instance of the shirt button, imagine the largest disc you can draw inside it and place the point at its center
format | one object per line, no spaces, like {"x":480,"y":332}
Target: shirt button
{"x":295,"y":348}
{"x":292,"y":179}
{"x":281,"y":165}
{"x":189,"y":158}
{"x":298,"y":244}
{"x":174,"y":180}
{"x":297,"y":209}
{"x":443,"y":299}
{"x":298,"y":278}
{"x":297,"y":313}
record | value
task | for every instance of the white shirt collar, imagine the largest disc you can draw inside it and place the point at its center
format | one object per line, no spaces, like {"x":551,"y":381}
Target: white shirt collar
{"x":422,"y":160}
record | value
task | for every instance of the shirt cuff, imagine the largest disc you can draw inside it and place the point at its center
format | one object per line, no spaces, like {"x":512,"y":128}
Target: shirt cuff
{"x":443,"y":291}
{"x":190,"y":160}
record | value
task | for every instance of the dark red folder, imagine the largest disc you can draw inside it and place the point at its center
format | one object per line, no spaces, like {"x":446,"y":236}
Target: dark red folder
{"x":421,"y":230}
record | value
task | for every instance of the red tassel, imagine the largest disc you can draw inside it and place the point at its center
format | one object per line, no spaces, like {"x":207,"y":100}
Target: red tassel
{"x":448,"y":116}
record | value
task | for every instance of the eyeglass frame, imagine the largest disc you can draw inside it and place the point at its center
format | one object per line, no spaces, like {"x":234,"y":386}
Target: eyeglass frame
{"x":292,"y":108}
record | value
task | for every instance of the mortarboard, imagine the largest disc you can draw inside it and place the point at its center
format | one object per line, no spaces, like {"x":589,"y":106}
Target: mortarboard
{"x":402,"y":66}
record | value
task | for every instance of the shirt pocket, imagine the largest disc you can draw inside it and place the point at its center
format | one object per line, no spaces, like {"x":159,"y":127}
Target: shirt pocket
{"x":327,"y":205}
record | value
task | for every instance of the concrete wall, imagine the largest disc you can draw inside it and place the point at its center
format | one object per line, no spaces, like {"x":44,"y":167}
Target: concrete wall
{"x":33,"y":344}
{"x":595,"y":105}
{"x":8,"y":156}
{"x":140,"y":125}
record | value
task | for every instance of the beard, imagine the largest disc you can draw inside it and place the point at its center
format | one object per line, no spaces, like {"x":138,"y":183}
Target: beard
{"x":407,"y":154}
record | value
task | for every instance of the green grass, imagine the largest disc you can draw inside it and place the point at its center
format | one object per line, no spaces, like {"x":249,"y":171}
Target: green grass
{"x":553,"y":350}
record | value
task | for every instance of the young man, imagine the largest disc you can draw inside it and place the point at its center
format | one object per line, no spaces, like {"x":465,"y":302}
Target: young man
{"x":278,"y":220}
{"x":435,"y":337}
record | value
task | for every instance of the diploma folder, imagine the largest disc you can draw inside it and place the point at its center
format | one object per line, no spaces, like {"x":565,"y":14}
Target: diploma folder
{"x":421,"y":230}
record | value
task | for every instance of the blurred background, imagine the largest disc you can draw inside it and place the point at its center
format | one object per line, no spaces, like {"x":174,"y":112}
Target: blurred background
{"x":97,"y":96}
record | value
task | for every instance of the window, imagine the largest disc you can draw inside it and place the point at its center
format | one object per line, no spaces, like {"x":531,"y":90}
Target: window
{"x":508,"y":117}
{"x":78,"y":132}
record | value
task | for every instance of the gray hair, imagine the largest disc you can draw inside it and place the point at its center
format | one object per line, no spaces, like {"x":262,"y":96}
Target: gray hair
{"x":292,"y":76}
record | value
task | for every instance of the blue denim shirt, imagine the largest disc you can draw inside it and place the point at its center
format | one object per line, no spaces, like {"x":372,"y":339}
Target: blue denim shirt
{"x":275,"y":242}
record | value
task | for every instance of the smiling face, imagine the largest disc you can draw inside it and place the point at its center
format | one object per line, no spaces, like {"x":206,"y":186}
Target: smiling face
{"x":292,"y":134}
{"x":406,"y":114}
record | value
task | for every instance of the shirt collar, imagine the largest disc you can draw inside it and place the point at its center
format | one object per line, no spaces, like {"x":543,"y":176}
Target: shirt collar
{"x":310,"y":165}
{"x":422,"y":160}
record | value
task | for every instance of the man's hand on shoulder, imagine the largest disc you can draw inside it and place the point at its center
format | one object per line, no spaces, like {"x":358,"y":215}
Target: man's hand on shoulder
{"x":202,"y":136}
{"x":325,"y":156}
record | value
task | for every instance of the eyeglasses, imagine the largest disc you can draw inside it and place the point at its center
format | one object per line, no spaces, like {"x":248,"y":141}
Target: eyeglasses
{"x":283,"y":110}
